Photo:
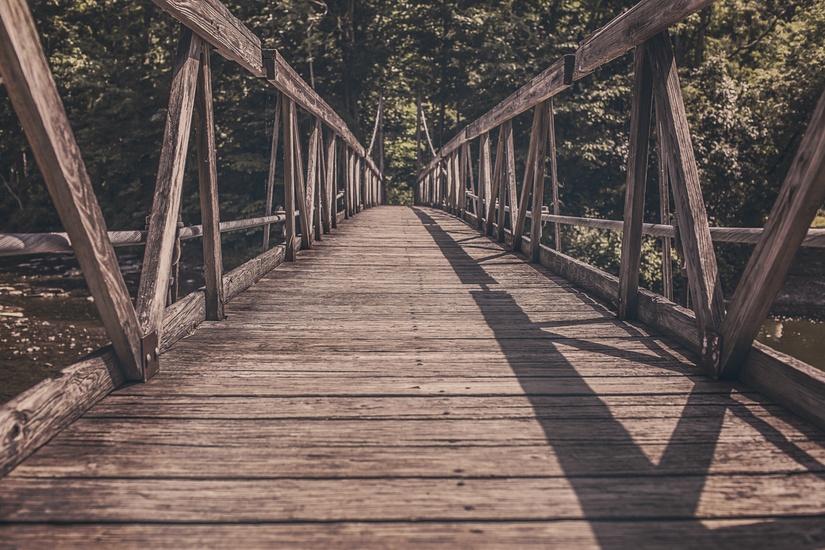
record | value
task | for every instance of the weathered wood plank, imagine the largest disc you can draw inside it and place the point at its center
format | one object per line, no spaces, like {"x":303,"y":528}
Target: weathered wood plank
{"x":630,"y":29}
{"x":634,"y":204}
{"x":537,"y":138}
{"x":273,"y":157}
{"x":208,"y":190}
{"x":213,"y":22}
{"x":800,"y":197}
{"x":160,"y":240}
{"x":34,"y":95}
{"x":290,"y":177}
{"x":313,"y":174}
{"x":705,"y":286}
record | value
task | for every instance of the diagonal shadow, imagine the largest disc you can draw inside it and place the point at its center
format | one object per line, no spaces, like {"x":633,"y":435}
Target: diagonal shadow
{"x":606,"y":459}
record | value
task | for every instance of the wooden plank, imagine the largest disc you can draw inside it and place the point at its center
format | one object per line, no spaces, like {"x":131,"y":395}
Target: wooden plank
{"x":502,"y":176}
{"x":495,"y":189}
{"x":247,"y":274}
{"x":634,"y":204}
{"x":327,"y":192}
{"x":301,"y":183}
{"x":706,"y":289}
{"x":208,"y":190}
{"x":664,"y":219}
{"x":789,"y":532}
{"x":160,"y":240}
{"x":485,"y":178}
{"x":510,"y":177}
{"x":630,"y":29}
{"x":554,"y":177}
{"x":547,"y":136}
{"x":290,"y":177}
{"x":213,"y":22}
{"x":36,"y":101}
{"x":273,"y":156}
{"x":313,"y":174}
{"x":536,"y":136}
{"x":800,"y":197}
{"x":658,"y":497}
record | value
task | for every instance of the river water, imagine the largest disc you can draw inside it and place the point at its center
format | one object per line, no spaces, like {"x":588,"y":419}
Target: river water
{"x":800,"y":338}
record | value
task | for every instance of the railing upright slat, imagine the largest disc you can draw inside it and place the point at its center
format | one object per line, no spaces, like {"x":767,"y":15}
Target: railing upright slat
{"x":208,"y":191}
{"x":273,"y":155}
{"x":289,"y":123}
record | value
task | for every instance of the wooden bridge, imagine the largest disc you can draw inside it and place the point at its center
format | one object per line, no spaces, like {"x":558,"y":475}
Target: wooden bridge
{"x":431,"y":375}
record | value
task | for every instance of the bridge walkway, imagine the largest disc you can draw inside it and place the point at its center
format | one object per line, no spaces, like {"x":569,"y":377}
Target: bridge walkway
{"x":410,"y":382}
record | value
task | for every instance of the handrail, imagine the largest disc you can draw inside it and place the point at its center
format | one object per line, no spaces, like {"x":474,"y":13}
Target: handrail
{"x":724,"y":339}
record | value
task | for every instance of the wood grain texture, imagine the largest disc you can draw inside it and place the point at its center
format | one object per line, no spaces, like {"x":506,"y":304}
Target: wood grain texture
{"x":630,"y":29}
{"x":801,"y":196}
{"x":208,"y":191}
{"x":345,"y":402}
{"x":213,"y":22}
{"x":313,"y":175}
{"x":290,"y":177}
{"x":31,"y":87}
{"x":554,"y":181}
{"x":273,"y":157}
{"x":160,"y":240}
{"x":675,"y":141}
{"x":634,"y":204}
{"x":485,"y":179}
{"x":537,"y":139}
{"x":547,"y":139}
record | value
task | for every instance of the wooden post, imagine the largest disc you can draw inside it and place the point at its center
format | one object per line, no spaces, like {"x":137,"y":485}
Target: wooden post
{"x":270,"y":180}
{"x":694,"y":232}
{"x":546,"y":125}
{"x":664,"y":218}
{"x":484,"y":179}
{"x":208,"y":191}
{"x":157,"y":257}
{"x":802,"y":194}
{"x":554,"y":173}
{"x":347,"y":160}
{"x":312,"y":176}
{"x":510,"y":176}
{"x":419,"y":196}
{"x":536,"y":135}
{"x":634,"y":204}
{"x":301,"y":186}
{"x":496,"y":187}
{"x":289,"y":177}
{"x":461,"y":182}
{"x":330,"y":191}
{"x":35,"y":98}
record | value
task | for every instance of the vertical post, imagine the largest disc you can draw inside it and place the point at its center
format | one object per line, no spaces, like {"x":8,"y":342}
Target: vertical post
{"x":634,"y":204}
{"x":35,"y":98}
{"x":664,"y":218}
{"x":313,"y":174}
{"x":554,"y":174}
{"x":347,"y":160}
{"x":536,"y":136}
{"x":289,"y":177}
{"x":461,"y":158}
{"x":496,"y":186}
{"x":538,"y":178}
{"x":330,"y":192}
{"x":160,"y":240}
{"x":270,"y":180}
{"x":484,"y":178}
{"x":511,"y":175}
{"x":801,"y":195}
{"x":208,"y":191}
{"x":304,"y":213}
{"x":694,"y":231}
{"x":419,"y":197}
{"x":457,"y":182}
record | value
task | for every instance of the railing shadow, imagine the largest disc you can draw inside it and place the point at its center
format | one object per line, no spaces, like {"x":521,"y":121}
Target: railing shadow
{"x":613,"y":479}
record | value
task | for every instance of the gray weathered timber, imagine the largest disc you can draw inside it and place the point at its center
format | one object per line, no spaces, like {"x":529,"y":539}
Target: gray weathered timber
{"x":675,"y":141}
{"x":664,"y":218}
{"x":213,"y":22}
{"x":634,"y":204}
{"x":273,"y":156}
{"x":290,"y":177}
{"x":801,"y":195}
{"x":537,"y":419}
{"x":313,"y":175}
{"x":208,"y":190}
{"x":510,"y":175}
{"x":160,"y":240}
{"x":485,"y":178}
{"x":630,"y":29}
{"x":34,"y":95}
{"x":536,"y":136}
{"x":547,"y":139}
{"x":301,"y":184}
{"x":554,"y":177}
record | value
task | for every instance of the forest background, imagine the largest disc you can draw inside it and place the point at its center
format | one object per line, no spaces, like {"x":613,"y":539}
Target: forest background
{"x":751,"y":72}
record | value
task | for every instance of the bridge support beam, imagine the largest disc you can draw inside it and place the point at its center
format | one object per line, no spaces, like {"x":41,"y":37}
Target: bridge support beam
{"x":634,"y":204}
{"x":677,"y":149}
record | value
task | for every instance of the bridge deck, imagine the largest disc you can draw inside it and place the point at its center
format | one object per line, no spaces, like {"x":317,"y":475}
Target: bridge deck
{"x":408,"y":381}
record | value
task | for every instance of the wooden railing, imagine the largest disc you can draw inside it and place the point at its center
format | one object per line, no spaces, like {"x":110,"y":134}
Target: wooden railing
{"x":724,"y":339}
{"x":338,"y":172}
